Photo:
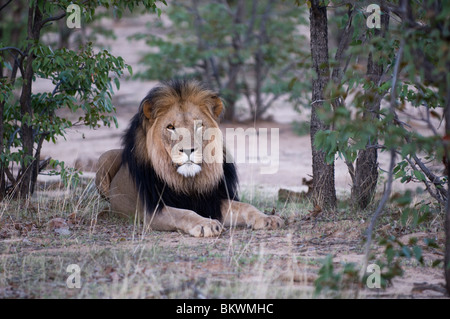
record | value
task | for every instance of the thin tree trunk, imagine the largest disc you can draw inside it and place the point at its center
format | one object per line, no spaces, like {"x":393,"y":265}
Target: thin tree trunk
{"x":2,"y":165}
{"x":366,"y":171}
{"x":447,"y":210}
{"x":27,"y":181}
{"x":234,"y":66}
{"x":260,"y":67}
{"x":259,"y":60}
{"x":2,"y":104}
{"x":324,"y":192}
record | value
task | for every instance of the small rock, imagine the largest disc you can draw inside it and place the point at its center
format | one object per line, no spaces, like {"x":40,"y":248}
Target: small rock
{"x":64,"y":231}
{"x":59,"y":226}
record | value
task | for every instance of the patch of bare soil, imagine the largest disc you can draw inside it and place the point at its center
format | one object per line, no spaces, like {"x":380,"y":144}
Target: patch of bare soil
{"x":118,"y":258}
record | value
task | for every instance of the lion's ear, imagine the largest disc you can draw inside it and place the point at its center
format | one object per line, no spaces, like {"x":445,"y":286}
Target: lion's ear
{"x":217,"y":107}
{"x":147,"y":109}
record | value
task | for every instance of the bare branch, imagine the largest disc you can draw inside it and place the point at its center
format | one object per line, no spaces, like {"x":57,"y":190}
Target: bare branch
{"x":17,"y":62}
{"x":343,"y":45}
{"x":4,"y":6}
{"x":13,"y":49}
{"x":56,"y":18}
{"x":435,"y":195}
{"x":50,"y":19}
{"x":437,"y":182}
{"x":380,"y":208}
{"x":351,"y":171}
{"x":10,"y":175}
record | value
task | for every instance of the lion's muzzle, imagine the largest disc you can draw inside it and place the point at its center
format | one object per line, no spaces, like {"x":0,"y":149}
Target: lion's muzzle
{"x":188,"y":162}
{"x":189,"y":169}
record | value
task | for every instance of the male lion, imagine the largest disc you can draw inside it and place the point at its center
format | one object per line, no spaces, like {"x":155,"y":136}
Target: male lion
{"x":172,"y":171}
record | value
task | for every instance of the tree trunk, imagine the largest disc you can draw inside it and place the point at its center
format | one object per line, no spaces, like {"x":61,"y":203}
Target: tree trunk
{"x":447,"y":208}
{"x":324,"y":192}
{"x":2,"y":104}
{"x":366,"y":170}
{"x":28,"y":176}
{"x":230,"y":104}
{"x":2,"y":165}
{"x":234,"y":65}
{"x":259,"y":60}
{"x":447,"y":231}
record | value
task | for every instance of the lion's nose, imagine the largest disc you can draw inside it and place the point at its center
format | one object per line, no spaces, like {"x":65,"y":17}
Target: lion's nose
{"x":187,"y":151}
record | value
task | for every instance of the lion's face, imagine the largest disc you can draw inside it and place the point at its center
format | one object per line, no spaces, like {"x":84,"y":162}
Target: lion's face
{"x":183,"y":140}
{"x":190,"y":137}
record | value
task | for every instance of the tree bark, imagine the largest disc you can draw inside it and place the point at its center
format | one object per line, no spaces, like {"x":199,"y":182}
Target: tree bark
{"x":324,"y":192}
{"x":2,"y":165}
{"x":447,"y":208}
{"x":234,"y":66}
{"x":2,"y":104}
{"x":26,"y":182}
{"x":366,"y":170}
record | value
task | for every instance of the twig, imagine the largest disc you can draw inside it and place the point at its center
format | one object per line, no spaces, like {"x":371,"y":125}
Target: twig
{"x":420,"y":287}
{"x":10,"y":175}
{"x":320,"y":101}
{"x":435,"y":180}
{"x":379,"y":210}
{"x":3,"y":6}
{"x":13,"y":49}
{"x":351,"y":171}
{"x":427,"y":185}
{"x":50,"y":19}
{"x":338,"y":73}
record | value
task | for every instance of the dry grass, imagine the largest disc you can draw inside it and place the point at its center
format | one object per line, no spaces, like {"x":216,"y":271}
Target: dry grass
{"x":120,"y":259}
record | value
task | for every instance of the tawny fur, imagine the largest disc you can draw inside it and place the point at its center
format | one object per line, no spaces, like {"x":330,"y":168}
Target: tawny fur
{"x":180,"y":105}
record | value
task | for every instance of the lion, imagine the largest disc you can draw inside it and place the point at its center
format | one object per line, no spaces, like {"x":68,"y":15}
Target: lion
{"x":172,"y":173}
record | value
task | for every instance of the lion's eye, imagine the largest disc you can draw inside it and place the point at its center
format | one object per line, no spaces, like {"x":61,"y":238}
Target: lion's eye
{"x":170,"y":127}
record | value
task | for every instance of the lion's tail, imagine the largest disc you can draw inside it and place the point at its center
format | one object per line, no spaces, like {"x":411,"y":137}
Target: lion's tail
{"x":108,"y":166}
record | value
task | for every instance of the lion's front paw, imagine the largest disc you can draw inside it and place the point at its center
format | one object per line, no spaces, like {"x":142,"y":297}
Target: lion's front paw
{"x":267,"y":222}
{"x":206,"y":228}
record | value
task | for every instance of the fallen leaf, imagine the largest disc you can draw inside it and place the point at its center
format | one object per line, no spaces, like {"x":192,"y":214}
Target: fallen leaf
{"x":74,"y":219}
{"x":317,"y":210}
{"x":55,"y":223}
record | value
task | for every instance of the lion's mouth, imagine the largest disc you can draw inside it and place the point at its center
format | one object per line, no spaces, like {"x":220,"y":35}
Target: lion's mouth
{"x":189,"y":169}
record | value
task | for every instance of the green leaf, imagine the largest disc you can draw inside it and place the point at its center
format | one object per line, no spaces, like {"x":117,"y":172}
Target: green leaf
{"x":406,"y":252}
{"x":430,"y":242}
{"x":117,"y":82}
{"x":418,"y":254}
{"x":419,"y":175}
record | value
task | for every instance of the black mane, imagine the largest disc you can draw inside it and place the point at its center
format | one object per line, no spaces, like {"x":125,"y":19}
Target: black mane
{"x":155,"y":193}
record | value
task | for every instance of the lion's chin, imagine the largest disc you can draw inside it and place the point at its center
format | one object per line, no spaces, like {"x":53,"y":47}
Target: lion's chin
{"x":189,"y":169}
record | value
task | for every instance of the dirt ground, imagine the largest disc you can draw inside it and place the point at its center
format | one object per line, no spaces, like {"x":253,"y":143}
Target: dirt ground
{"x":118,"y":259}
